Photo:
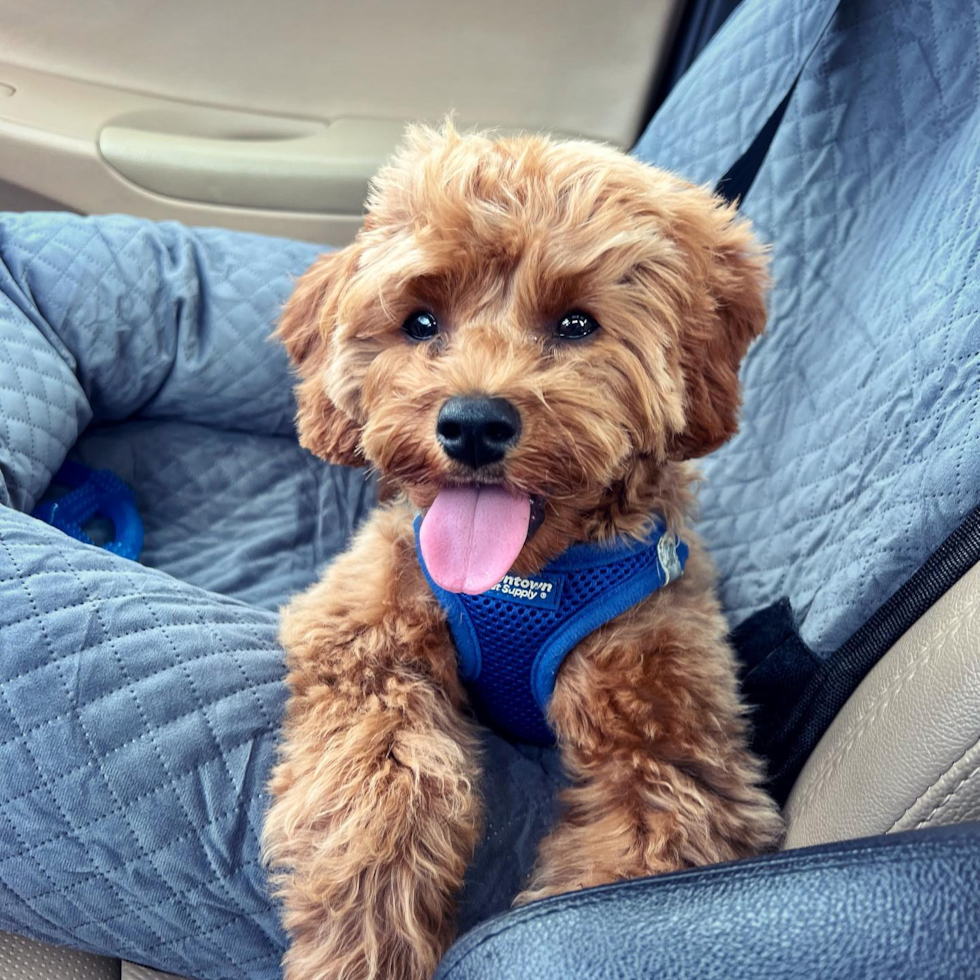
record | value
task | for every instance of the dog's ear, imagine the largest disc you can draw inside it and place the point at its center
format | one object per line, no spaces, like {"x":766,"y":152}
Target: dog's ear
{"x":305,"y":328}
{"x":714,"y":339}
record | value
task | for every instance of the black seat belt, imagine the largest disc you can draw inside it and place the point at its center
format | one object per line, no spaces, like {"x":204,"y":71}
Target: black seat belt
{"x":737,"y":182}
{"x":735,"y":185}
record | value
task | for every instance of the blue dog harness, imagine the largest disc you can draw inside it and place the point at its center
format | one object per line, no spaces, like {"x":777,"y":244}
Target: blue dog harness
{"x":511,"y":640}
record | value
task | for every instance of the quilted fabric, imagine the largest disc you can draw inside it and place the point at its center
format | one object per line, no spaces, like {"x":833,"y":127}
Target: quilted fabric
{"x":135,"y":716}
{"x":717,"y":108}
{"x":146,"y":347}
{"x":860,"y":442}
{"x":139,"y":703}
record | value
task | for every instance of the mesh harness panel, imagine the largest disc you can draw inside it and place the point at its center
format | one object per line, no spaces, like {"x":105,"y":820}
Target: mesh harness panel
{"x":511,"y":640}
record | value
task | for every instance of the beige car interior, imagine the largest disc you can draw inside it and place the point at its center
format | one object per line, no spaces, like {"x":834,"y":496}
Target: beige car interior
{"x":253,"y":116}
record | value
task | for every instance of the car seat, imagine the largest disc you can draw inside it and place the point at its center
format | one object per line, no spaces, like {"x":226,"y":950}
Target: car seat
{"x":139,"y":702}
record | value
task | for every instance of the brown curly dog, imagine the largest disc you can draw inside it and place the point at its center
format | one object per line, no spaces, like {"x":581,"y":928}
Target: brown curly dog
{"x":601,"y":308}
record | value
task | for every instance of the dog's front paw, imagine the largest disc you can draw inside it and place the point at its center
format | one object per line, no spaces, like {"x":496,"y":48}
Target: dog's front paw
{"x":355,"y":945}
{"x":556,"y":875}
{"x":534,"y":893}
{"x":372,"y":824}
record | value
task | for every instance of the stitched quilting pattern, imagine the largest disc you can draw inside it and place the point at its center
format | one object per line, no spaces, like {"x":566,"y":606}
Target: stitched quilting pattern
{"x":137,"y":712}
{"x":147,"y":348}
{"x":139,"y":703}
{"x":860,"y":442}
{"x":138,"y":706}
{"x":715,"y":110}
{"x":136,"y":722}
{"x":42,"y":407}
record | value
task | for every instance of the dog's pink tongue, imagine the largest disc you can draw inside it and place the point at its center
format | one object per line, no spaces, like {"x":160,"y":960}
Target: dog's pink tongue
{"x":472,"y":535}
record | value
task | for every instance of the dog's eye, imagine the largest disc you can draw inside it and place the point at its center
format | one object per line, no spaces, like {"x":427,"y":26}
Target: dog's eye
{"x":575,"y":326}
{"x":421,"y":325}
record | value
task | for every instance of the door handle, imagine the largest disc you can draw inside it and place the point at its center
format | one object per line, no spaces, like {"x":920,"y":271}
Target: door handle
{"x":318,"y":167}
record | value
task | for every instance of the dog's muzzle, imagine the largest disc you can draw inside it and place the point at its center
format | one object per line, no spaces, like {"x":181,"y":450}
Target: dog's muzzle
{"x":476,"y":430}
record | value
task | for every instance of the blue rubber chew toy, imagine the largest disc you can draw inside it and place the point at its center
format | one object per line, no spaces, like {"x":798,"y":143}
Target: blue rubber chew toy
{"x":95,"y":493}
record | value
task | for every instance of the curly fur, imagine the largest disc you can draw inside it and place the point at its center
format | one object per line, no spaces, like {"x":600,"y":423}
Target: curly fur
{"x":376,"y":809}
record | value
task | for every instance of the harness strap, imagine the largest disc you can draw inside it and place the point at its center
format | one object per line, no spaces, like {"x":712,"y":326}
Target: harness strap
{"x":512,"y":640}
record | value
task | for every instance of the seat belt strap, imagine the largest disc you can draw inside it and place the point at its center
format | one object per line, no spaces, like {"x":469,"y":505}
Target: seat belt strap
{"x":736,"y":183}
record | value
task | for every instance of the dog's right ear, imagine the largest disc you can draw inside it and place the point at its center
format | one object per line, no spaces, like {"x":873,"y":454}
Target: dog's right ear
{"x":308,"y":321}
{"x":732,"y":268}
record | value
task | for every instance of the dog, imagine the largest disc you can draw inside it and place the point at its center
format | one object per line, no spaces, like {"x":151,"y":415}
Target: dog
{"x":528,"y":341}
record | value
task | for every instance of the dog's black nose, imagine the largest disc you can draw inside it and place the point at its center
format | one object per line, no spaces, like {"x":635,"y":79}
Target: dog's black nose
{"x":476,"y":430}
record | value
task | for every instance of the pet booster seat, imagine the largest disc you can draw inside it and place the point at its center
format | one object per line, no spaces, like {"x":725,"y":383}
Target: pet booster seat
{"x":140,"y":701}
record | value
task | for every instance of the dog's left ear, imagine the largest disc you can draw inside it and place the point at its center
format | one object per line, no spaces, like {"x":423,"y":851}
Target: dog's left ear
{"x":308,"y":321}
{"x":733,"y":269}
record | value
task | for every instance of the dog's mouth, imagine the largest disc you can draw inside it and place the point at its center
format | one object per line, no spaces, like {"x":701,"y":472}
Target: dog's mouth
{"x":472,"y":534}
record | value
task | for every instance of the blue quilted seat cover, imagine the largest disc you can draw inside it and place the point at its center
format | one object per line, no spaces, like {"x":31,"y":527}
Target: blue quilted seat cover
{"x":860,"y":442}
{"x":139,"y":703}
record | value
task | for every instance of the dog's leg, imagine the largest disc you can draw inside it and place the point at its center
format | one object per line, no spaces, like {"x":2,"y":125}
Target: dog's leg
{"x":374,"y":816}
{"x":653,"y":738}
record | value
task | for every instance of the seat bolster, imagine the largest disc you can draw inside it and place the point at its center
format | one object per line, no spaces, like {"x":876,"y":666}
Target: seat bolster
{"x":904,"y":752}
{"x":883,"y":908}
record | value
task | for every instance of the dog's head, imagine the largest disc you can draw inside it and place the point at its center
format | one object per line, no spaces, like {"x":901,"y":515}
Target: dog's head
{"x":521,"y":325}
